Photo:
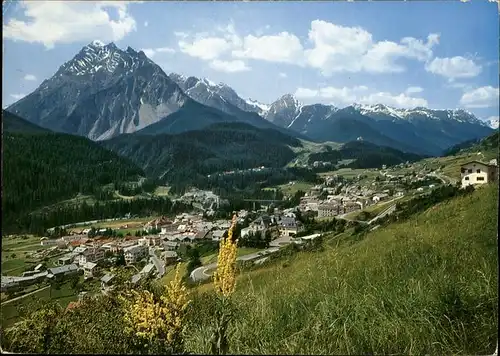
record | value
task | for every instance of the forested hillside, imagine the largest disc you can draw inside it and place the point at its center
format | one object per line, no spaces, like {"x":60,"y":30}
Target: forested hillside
{"x":487,"y":143}
{"x":191,"y":155}
{"x":40,"y":169}
{"x":366,"y":155}
{"x":14,"y":123}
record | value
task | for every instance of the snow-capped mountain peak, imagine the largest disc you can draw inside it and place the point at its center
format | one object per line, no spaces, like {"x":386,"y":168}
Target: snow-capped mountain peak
{"x":97,"y":43}
{"x":100,"y":57}
{"x":264,"y":108}
{"x":492,"y":122}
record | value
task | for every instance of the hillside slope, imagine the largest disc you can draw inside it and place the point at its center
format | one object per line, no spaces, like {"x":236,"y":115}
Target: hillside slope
{"x":41,"y":169}
{"x":14,"y":123}
{"x":366,"y":155}
{"x":424,"y":286}
{"x":220,"y":147}
{"x":488,"y":143}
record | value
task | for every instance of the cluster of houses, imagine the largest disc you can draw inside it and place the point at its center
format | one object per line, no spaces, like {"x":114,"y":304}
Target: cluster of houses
{"x":284,"y":222}
{"x":351,"y":198}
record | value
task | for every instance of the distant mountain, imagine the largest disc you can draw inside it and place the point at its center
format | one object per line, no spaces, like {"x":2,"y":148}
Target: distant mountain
{"x":420,"y":130}
{"x":493,"y":123}
{"x":13,"y":123}
{"x":104,"y":91}
{"x":219,"y":96}
{"x":284,"y":110}
{"x":217,"y":148}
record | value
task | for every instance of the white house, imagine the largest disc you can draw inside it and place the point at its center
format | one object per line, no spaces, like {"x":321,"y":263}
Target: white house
{"x":476,"y":172}
{"x":377,"y":198}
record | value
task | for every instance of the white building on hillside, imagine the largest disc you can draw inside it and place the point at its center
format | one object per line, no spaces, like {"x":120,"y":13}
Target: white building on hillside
{"x":476,"y":172}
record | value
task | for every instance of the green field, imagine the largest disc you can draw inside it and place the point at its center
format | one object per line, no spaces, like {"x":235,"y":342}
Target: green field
{"x":162,"y":191}
{"x":350,"y":173}
{"x":19,"y":246}
{"x":291,"y":189}
{"x":11,"y":311}
{"x":424,"y":286}
{"x":136,"y":223}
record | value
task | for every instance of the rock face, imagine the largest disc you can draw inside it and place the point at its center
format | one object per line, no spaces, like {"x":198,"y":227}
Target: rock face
{"x":219,"y":96}
{"x":104,"y":91}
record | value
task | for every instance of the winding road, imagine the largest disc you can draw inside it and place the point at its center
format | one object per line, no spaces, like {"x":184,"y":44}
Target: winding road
{"x":200,"y":273}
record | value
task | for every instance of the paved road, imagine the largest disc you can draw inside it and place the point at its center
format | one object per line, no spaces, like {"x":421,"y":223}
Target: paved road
{"x":443,"y":178}
{"x":160,"y":265}
{"x":200,"y":273}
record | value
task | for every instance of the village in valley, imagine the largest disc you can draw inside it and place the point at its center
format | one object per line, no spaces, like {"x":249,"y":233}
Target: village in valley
{"x":133,"y":249}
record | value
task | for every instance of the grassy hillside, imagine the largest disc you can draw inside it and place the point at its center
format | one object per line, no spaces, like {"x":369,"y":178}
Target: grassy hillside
{"x":425,"y":286}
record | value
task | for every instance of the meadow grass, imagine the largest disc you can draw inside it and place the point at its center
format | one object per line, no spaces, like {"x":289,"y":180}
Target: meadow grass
{"x":291,"y":189}
{"x":162,"y":191}
{"x":427,"y":285}
{"x":12,"y":311}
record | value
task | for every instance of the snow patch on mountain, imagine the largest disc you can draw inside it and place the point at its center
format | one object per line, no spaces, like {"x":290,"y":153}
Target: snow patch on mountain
{"x":264,"y":108}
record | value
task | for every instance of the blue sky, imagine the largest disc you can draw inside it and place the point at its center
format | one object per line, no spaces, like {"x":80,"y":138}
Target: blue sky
{"x":402,"y":54}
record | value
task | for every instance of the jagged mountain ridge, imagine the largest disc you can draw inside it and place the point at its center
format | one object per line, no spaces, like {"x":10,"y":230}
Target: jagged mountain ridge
{"x":419,"y":130}
{"x":104,"y":91}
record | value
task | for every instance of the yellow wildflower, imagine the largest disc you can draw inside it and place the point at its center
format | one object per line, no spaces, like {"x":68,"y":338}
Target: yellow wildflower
{"x":225,"y":275}
{"x":156,"y":321}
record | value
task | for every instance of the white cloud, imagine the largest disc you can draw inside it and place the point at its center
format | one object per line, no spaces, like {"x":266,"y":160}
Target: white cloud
{"x":401,"y":101}
{"x":352,"y":49}
{"x":29,"y":77}
{"x":229,"y":66}
{"x":482,"y":97}
{"x":332,"y":48}
{"x":283,"y":75}
{"x":414,"y":90}
{"x":17,"y":96}
{"x":53,"y":22}
{"x":454,"y":67}
{"x":281,"y":48}
{"x":150,"y":52}
{"x":358,"y":94}
{"x":205,"y":48}
{"x":146,"y":24}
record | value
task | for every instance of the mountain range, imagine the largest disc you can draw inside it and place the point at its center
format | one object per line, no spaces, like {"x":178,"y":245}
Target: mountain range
{"x":104,"y":91}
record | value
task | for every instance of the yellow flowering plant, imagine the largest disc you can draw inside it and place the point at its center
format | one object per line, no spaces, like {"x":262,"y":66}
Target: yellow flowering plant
{"x":224,"y":283}
{"x":157,"y":325}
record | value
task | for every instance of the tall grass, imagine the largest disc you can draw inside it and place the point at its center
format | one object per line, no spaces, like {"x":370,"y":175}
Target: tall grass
{"x":425,"y":286}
